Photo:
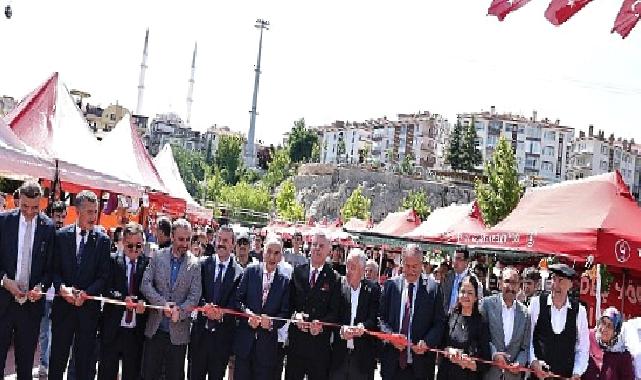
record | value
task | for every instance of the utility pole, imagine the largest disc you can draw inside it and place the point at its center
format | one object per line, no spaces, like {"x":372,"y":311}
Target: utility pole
{"x":141,"y":80}
{"x":250,"y":151}
{"x":190,"y":90}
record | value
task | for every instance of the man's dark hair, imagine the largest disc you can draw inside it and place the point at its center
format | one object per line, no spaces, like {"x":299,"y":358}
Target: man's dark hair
{"x":465,"y":252}
{"x":130,"y":228}
{"x":164,"y":226}
{"x":29,"y":189}
{"x":481,"y":268}
{"x":227,"y":228}
{"x":531,"y":273}
{"x":58,"y":206}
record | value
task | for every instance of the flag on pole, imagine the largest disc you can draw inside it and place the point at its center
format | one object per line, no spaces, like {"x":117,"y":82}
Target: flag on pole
{"x":501,"y":8}
{"x":627,"y":18}
{"x":559,"y":11}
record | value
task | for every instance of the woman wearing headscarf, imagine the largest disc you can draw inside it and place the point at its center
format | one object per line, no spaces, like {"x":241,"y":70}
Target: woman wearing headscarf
{"x":609,"y":359}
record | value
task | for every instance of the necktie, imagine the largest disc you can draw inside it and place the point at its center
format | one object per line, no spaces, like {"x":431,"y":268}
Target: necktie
{"x":402,"y":362}
{"x":129,"y":316}
{"x":454,"y":295}
{"x":25,"y":263}
{"x":81,"y":247}
{"x":266,"y":286}
{"x":218,"y":284}
{"x":312,"y":281}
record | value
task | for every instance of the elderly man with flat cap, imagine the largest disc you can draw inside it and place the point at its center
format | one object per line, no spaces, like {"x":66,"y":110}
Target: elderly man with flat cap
{"x":559,"y":343}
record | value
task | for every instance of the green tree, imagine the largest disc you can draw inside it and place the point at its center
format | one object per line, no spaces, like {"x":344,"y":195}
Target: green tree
{"x":301,"y":142}
{"x":417,"y":201}
{"x":286,"y":205}
{"x":470,"y":156}
{"x":245,"y":196}
{"x":407,"y":166}
{"x":214,"y":187}
{"x":315,"y":153}
{"x":498,"y":197}
{"x":191,"y":166}
{"x":209,"y":155}
{"x":279,"y":169}
{"x":228,"y":159}
{"x":454,"y":149}
{"x":340,"y":150}
{"x":356,"y":206}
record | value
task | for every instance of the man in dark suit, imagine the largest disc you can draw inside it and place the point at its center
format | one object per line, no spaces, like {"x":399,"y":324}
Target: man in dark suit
{"x":314,"y":297}
{"x":172,"y":281}
{"x":26,"y":249}
{"x":454,"y":278}
{"x":213,"y":332}
{"x":263,"y":292}
{"x":411,"y":305}
{"x":353,"y":354}
{"x":123,"y":329}
{"x":81,"y":269}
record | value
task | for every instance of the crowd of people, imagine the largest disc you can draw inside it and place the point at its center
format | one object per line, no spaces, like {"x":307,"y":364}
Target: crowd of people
{"x":209,"y":303}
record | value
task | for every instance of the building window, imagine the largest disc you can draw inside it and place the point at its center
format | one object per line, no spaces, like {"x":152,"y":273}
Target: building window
{"x":604,"y":149}
{"x":604,"y":165}
{"x":548,"y":151}
{"x":547,"y":166}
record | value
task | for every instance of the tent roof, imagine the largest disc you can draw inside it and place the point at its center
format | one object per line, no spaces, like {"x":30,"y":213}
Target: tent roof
{"x":396,"y":224}
{"x":131,"y":156}
{"x":49,"y":122}
{"x":596,"y":216}
{"x":356,"y":225}
{"x":16,"y":161}
{"x":170,"y":176}
{"x":445,"y":222}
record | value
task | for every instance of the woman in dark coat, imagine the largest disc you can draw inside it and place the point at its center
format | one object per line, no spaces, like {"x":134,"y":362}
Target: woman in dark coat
{"x":467,"y":334}
{"x":609,"y":359}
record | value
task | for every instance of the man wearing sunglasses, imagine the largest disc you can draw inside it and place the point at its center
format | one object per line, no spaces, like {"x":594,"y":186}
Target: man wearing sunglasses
{"x":509,"y":329}
{"x":295,"y":255}
{"x":123,"y":329}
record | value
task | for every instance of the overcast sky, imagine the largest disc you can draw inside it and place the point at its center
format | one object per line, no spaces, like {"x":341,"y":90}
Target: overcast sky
{"x":331,"y":60}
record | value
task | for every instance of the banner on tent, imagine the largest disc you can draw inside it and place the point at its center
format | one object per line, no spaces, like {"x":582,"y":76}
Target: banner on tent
{"x":629,"y":298}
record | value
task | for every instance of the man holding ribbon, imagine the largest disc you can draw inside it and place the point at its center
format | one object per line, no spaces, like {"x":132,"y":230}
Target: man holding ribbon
{"x":412,"y":307}
{"x":26,"y":249}
{"x":81,"y":270}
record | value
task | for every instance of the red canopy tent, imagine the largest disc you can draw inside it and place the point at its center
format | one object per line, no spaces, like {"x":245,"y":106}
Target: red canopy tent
{"x":445,"y":223}
{"x":396,"y":224}
{"x":595,"y":218}
{"x":357,"y":225}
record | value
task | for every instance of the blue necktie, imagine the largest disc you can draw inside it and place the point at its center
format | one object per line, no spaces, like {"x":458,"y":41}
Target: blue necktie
{"x":454,"y":295}
{"x":218,"y":283}
{"x":81,"y":247}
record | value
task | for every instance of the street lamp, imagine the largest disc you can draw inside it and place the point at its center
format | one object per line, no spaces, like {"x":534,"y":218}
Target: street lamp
{"x":8,"y":12}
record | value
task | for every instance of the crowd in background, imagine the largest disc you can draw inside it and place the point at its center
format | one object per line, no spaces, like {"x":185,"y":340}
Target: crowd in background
{"x":308,"y":309}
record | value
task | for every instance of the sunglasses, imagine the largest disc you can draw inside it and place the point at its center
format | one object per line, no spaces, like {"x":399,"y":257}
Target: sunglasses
{"x":243,"y":242}
{"x":132,"y":246}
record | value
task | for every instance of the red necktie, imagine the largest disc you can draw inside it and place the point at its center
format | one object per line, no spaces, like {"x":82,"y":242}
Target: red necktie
{"x":129,"y":316}
{"x":402,"y":362}
{"x":312,"y":281}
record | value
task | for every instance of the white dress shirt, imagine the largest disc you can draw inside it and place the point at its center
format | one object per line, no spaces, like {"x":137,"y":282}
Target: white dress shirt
{"x":402,"y":314}
{"x":507,"y":313}
{"x":22,"y":226}
{"x":78,"y":237}
{"x":558,"y":316}
{"x":225,"y":266}
{"x":286,"y":270}
{"x":354,"y":299}
{"x":631,"y":332}
{"x":123,"y":321}
{"x":268,"y":279}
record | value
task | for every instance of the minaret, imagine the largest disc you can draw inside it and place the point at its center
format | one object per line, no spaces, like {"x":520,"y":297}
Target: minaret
{"x":143,"y":68}
{"x":250,"y":151}
{"x":190,"y":90}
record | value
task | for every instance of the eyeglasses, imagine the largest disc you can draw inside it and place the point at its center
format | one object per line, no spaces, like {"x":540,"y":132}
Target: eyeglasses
{"x":243,"y":242}
{"x":132,"y":246}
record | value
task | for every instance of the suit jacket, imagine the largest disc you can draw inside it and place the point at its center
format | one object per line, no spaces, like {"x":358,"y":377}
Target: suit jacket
{"x":428,"y":322}
{"x":156,"y":288}
{"x":322,"y":302}
{"x":519,"y":346}
{"x":249,"y":296}
{"x":41,"y":256}
{"x":225,"y":329}
{"x":118,"y":288}
{"x":91,"y":276}
{"x":367,"y":314}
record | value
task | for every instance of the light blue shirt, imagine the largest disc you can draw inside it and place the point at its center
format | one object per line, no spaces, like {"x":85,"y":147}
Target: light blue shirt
{"x":454,"y":296}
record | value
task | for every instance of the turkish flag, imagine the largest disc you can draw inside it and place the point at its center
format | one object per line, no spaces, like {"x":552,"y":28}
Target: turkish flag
{"x":628,"y":17}
{"x":501,"y":8}
{"x":560,"y":11}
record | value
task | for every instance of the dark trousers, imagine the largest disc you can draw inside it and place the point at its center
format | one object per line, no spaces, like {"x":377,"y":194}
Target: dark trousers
{"x":82,"y":334}
{"x":160,"y":356}
{"x":349,"y":370}
{"x":252,"y":368}
{"x":280,"y":361}
{"x":127,"y":346}
{"x":405,"y":374}
{"x":297,"y":367}
{"x":22,"y":323}
{"x":208,"y":358}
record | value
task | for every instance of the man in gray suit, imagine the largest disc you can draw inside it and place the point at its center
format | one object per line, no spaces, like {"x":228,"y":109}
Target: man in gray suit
{"x":172,"y":280}
{"x":509,"y":329}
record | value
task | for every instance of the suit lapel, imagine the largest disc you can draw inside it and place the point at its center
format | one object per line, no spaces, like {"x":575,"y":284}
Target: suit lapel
{"x":497,"y":314}
{"x":519,"y":319}
{"x":272,"y":289}
{"x":13,"y":230}
{"x":228,"y":280}
{"x":363,"y":297}
{"x":398,"y":303}
{"x":307,"y":272}
{"x":181,"y":270}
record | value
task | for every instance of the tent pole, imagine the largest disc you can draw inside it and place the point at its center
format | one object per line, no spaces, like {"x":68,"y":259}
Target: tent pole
{"x":625,"y":271}
{"x":100,"y":208}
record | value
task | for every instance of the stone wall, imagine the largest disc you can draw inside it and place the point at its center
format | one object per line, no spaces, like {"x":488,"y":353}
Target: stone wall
{"x":324,"y":194}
